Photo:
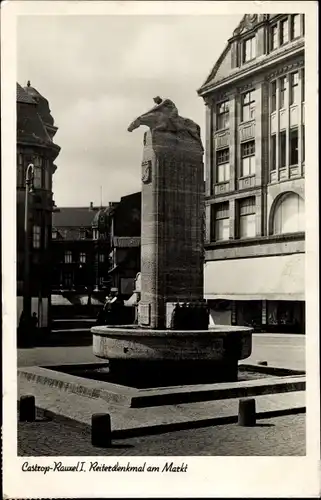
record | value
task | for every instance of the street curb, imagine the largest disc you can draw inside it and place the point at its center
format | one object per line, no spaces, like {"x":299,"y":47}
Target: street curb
{"x":270,"y":370}
{"x":49,"y":415}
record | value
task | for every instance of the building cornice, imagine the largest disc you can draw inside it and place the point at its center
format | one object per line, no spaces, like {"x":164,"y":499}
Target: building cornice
{"x":262,"y":64}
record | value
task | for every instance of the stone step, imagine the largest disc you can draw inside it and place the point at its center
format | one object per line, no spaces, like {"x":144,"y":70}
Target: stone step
{"x":128,"y":421}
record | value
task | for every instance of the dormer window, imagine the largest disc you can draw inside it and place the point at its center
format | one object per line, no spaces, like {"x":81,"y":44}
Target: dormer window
{"x":284,"y":31}
{"x":249,"y":49}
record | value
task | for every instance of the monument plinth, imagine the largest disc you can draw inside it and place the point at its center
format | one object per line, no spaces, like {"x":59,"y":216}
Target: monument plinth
{"x":172,"y":255}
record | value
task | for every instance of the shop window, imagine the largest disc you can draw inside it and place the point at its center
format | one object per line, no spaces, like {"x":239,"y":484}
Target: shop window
{"x":294,"y":88}
{"x":249,"y":49}
{"x":223,"y":165}
{"x":68,"y":257}
{"x":294,"y":146}
{"x":273,"y":37}
{"x":223,"y":115}
{"x":82,"y":257}
{"x":295,"y":26}
{"x":289,"y":215}
{"x":36,"y":237}
{"x":248,"y":158}
{"x":273,"y":153}
{"x":273,"y":96}
{"x":221,"y":221}
{"x":248,"y":106}
{"x":283,"y":91}
{"x":282,"y":149}
{"x":247,"y":227}
{"x":284,"y":32}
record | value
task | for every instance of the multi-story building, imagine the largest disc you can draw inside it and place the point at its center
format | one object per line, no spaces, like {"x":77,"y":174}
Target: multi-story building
{"x":80,"y":249}
{"x":255,"y":165}
{"x":125,"y":243}
{"x":35,"y":132}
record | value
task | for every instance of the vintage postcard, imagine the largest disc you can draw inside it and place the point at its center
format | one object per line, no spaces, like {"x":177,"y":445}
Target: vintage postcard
{"x":160,"y":249}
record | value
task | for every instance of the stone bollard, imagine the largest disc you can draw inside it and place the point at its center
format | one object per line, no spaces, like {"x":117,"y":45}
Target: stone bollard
{"x":101,"y":430}
{"x":27,"y":410}
{"x":247,"y":414}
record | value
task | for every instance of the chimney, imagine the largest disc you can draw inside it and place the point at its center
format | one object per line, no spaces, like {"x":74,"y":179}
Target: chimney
{"x":91,"y":207}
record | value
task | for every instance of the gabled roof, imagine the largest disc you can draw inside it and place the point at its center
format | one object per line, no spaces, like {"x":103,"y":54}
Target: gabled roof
{"x":73,"y":217}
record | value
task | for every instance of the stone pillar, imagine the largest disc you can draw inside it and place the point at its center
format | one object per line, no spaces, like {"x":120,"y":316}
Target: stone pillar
{"x":209,"y":149}
{"x":172,"y":225}
{"x":233,"y":217}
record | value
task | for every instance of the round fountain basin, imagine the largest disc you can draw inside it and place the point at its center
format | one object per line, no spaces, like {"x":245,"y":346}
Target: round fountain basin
{"x":218,"y":343}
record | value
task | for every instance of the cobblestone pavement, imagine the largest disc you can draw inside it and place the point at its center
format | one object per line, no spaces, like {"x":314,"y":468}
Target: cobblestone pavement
{"x":280,"y":436}
{"x":285,"y":351}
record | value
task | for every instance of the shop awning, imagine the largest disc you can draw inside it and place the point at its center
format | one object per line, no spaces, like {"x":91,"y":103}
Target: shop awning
{"x":262,"y":278}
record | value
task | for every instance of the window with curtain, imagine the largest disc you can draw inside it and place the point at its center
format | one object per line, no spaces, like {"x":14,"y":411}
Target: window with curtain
{"x":223,"y":115}
{"x":223,"y":165}
{"x":248,"y":158}
{"x":283,"y":91}
{"x":247,"y":224}
{"x":294,"y":88}
{"x":289,"y":215}
{"x":284,"y":31}
{"x":248,"y":106}
{"x":249,"y":49}
{"x":221,"y":221}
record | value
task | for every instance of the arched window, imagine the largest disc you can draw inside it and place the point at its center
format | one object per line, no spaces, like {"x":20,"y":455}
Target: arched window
{"x":289,"y":214}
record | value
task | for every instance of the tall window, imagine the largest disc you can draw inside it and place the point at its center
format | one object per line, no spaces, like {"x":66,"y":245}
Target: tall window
{"x":273,"y":153}
{"x":249,"y":49}
{"x":37,"y":172}
{"x":282,"y":149}
{"x":47,"y":180}
{"x":273,"y":37}
{"x":248,"y":106}
{"x":294,"y":88}
{"x":101,"y":257}
{"x":223,"y":165}
{"x":283,"y":90}
{"x":221,"y":221}
{"x":36,"y":235}
{"x":294,"y":146}
{"x":82,"y":257}
{"x":273,"y":96}
{"x":247,"y":217}
{"x":289,"y":215}
{"x":68,"y":279}
{"x":284,"y":31}
{"x":303,"y":86}
{"x":68,"y":257}
{"x":20,"y":171}
{"x":248,"y":158}
{"x":222,"y":115}
{"x":295,"y":26}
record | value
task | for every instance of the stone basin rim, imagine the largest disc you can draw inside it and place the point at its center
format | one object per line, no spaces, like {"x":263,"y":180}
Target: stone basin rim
{"x":123,"y":331}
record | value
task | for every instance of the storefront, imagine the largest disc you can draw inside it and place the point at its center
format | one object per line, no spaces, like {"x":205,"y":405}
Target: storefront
{"x":264,"y":292}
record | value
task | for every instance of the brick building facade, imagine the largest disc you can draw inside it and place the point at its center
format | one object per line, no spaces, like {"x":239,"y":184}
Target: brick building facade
{"x":255,"y":164}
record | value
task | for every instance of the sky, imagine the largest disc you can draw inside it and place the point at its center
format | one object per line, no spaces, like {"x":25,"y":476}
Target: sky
{"x":101,"y":72}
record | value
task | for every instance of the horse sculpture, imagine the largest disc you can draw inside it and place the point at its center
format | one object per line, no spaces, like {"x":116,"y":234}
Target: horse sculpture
{"x":164,"y":117}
